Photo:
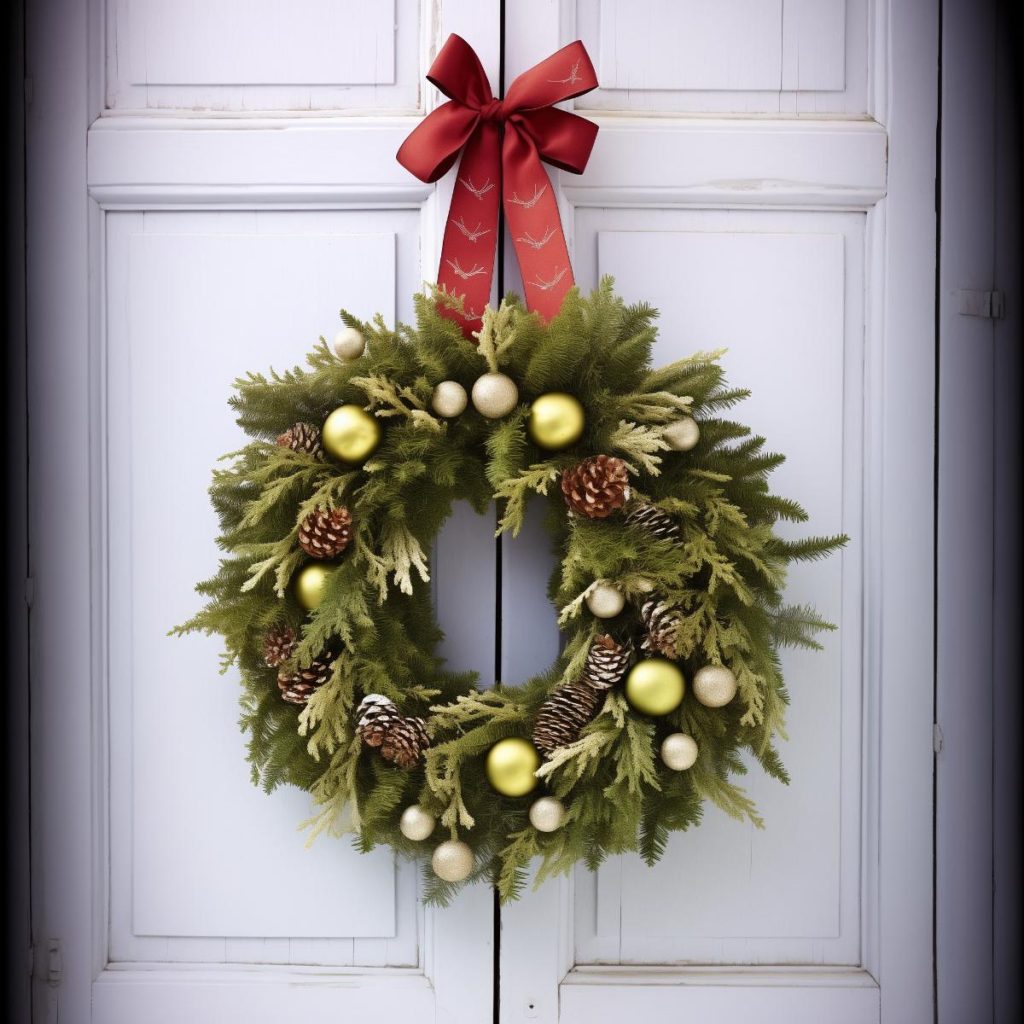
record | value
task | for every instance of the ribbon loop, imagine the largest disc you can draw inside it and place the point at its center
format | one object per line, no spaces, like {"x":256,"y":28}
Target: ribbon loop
{"x":502,"y":144}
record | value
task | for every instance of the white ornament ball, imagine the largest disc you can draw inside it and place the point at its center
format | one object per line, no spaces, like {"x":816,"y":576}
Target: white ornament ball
{"x":416,"y":824}
{"x":547,"y":814}
{"x":682,"y":435}
{"x":452,"y":861}
{"x":605,"y":601}
{"x":679,"y":751}
{"x":449,"y":399}
{"x":495,"y":395}
{"x":714,"y":686}
{"x":349,"y":344}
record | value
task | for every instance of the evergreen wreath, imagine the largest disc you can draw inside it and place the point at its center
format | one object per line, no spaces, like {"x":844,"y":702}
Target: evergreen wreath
{"x":668,"y":587}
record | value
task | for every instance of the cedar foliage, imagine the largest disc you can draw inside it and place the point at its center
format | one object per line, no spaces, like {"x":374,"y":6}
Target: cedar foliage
{"x":725,"y":576}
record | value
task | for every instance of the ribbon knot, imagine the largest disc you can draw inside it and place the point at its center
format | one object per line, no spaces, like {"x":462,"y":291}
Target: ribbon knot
{"x":502,"y":143}
{"x":492,"y":111}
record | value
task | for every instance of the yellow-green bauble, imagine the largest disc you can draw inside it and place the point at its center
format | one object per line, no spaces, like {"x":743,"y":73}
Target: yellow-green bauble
{"x":510,"y":766}
{"x":310,"y":582}
{"x":655,"y":686}
{"x":556,"y":421}
{"x":350,"y":434}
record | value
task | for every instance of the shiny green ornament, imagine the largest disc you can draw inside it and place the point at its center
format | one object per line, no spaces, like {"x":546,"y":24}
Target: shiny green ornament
{"x":655,"y":686}
{"x":556,"y":421}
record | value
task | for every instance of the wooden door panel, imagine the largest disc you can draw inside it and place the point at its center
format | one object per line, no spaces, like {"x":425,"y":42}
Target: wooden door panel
{"x":303,"y":55}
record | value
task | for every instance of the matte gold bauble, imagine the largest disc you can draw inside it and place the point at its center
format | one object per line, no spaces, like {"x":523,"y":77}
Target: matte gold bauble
{"x":682,"y":435}
{"x":510,"y":766}
{"x":449,"y":399}
{"x":655,"y":686}
{"x":416,"y":824}
{"x":495,"y":395}
{"x":310,"y":582}
{"x":556,"y":421}
{"x":679,"y":751}
{"x":714,"y":686}
{"x":547,"y":814}
{"x":452,"y":861}
{"x":349,"y":344}
{"x":605,"y":601}
{"x":350,"y":434}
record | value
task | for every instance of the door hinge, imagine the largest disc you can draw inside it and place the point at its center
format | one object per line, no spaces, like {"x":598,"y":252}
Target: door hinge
{"x":937,"y":737}
{"x":987,"y":305}
{"x":49,"y":968}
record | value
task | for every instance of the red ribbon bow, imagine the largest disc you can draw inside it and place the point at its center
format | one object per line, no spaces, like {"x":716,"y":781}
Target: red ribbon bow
{"x":472,"y":124}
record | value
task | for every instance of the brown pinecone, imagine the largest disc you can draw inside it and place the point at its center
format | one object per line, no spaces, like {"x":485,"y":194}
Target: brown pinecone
{"x":564,"y":714}
{"x":302,"y":437}
{"x":573,"y":705}
{"x":652,"y":519}
{"x":606,"y":662}
{"x":325,"y":532}
{"x":401,"y":739}
{"x":661,"y":625}
{"x":597,"y":487}
{"x":298,"y":686}
{"x":279,"y":645}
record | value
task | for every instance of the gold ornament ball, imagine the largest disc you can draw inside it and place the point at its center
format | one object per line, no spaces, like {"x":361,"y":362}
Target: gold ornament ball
{"x":714,"y":686}
{"x":682,"y":435}
{"x":349,"y":344}
{"x":556,"y":421}
{"x":510,"y":766}
{"x":350,"y":434}
{"x":310,"y":584}
{"x":449,"y":399}
{"x":679,"y":751}
{"x":605,"y":601}
{"x":452,"y":861}
{"x":547,"y":814}
{"x":416,"y":824}
{"x":495,"y":395}
{"x":655,"y":686}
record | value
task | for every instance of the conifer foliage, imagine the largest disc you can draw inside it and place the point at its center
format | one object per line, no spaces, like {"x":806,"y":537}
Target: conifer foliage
{"x":696,"y":529}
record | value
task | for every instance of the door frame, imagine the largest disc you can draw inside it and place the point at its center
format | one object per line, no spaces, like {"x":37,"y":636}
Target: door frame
{"x":896,"y":977}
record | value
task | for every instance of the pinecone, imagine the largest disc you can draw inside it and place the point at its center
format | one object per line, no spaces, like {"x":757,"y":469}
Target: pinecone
{"x":298,"y":686}
{"x":606,"y":662}
{"x":401,"y":739}
{"x":325,"y":532}
{"x":661,"y":625}
{"x":652,"y":519}
{"x":279,"y":645}
{"x":597,"y":487}
{"x":302,"y":437}
{"x":564,"y":714}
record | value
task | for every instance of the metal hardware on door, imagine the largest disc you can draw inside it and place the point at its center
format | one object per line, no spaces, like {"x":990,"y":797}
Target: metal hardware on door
{"x":988,"y":305}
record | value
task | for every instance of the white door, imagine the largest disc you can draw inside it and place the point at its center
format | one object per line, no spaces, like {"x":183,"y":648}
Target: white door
{"x":764,"y":176}
{"x":209,"y":183}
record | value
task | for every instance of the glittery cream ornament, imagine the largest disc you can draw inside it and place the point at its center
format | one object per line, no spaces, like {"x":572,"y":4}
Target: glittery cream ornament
{"x":350,"y":434}
{"x":449,"y":399}
{"x":655,"y":686}
{"x":556,"y":421}
{"x":679,"y":751}
{"x":416,"y":824}
{"x":495,"y":395}
{"x":605,"y":601}
{"x":682,"y":435}
{"x":349,"y":344}
{"x":714,"y":686}
{"x":547,"y":814}
{"x":510,"y":767}
{"x":452,"y":861}
{"x":310,"y":582}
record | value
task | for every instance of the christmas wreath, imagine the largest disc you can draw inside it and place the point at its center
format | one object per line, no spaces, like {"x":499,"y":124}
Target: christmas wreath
{"x":670,"y":572}
{"x":668,"y":586}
